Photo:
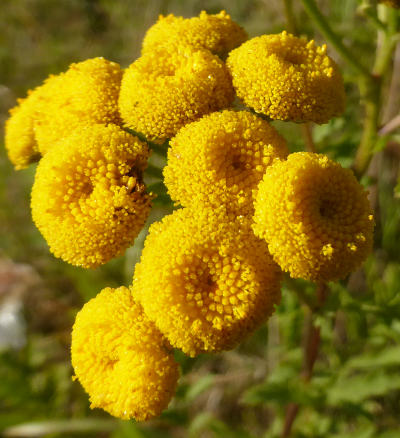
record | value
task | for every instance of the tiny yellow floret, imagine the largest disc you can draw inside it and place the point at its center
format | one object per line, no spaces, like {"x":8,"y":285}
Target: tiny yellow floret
{"x":220,"y":159}
{"x":88,"y":199}
{"x":287,"y":78}
{"x":162,"y":91}
{"x":205,"y":280}
{"x":87,"y":93}
{"x":217,"y":33}
{"x":20,"y":138}
{"x":315,"y":216}
{"x":122,"y":361}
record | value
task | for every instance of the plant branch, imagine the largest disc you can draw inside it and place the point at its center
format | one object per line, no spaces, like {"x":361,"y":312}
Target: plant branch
{"x":369,"y":11}
{"x":390,"y":38}
{"x":310,"y":351}
{"x":371,"y":91}
{"x":289,"y":16}
{"x":390,"y":126}
{"x":306,"y":130}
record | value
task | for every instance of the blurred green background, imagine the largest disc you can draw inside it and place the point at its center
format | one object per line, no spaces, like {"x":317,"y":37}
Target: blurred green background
{"x":355,"y":390}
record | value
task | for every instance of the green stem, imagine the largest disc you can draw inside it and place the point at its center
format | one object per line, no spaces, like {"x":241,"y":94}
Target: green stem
{"x":306,"y":130}
{"x":371,"y":91}
{"x":160,"y":149}
{"x":289,"y":16}
{"x":390,"y":38}
{"x":369,"y":12}
{"x":311,"y":348}
{"x":323,"y":26}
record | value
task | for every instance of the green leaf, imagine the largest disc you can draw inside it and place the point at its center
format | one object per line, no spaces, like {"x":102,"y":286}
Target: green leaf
{"x":200,"y":386}
{"x":355,"y":389}
{"x":153,"y":171}
{"x":388,"y":357}
{"x":158,"y":188}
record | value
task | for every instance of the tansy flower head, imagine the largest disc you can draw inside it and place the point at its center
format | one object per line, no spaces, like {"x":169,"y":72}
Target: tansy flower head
{"x":87,"y":93}
{"x":121,"y":359}
{"x":287,"y":78}
{"x":88,"y":198}
{"x":221,"y":158}
{"x":19,"y":135}
{"x":315,"y":217}
{"x":205,"y":280}
{"x":162,"y":91}
{"x":217,"y":33}
{"x":20,"y":139}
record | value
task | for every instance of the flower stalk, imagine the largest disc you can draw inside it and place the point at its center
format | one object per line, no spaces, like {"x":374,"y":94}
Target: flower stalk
{"x":311,"y":350}
{"x":371,"y":90}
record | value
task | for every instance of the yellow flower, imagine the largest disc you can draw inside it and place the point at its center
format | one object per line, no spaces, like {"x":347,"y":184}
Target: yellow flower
{"x":221,"y":158}
{"x":162,"y":91}
{"x":315,"y":217}
{"x":87,"y":93}
{"x":287,"y":78}
{"x":19,"y":136}
{"x":217,"y":33}
{"x":205,"y":280}
{"x":20,"y":139}
{"x":121,"y":359}
{"x":88,"y":198}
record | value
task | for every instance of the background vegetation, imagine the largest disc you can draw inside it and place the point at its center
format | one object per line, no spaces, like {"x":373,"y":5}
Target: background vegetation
{"x":352,"y":390}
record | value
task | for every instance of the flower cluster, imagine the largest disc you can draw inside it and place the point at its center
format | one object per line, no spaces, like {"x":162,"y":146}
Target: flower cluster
{"x":221,"y":158}
{"x":166,"y":89}
{"x":120,"y":357}
{"x":217,"y":280}
{"x":210,"y":272}
{"x":216,"y":33}
{"x":88,"y":199}
{"x":85,"y":94}
{"x":287,"y":78}
{"x":315,"y":217}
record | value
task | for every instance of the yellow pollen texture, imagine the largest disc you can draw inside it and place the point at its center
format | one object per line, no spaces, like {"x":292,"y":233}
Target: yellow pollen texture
{"x":88,"y":199}
{"x":287,"y":78}
{"x":220,"y":159}
{"x":87,"y":93}
{"x":216,"y":33}
{"x":121,"y":359}
{"x":162,"y":91}
{"x":315,"y":216}
{"x":20,"y":138}
{"x":205,"y":280}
